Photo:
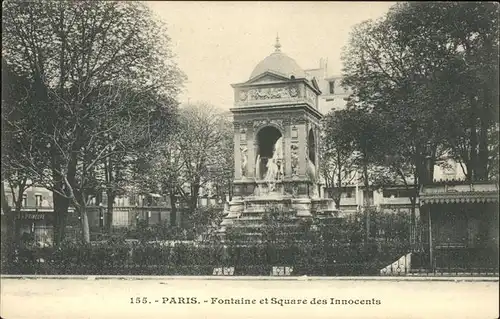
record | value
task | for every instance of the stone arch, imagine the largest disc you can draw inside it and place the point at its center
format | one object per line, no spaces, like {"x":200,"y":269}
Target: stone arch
{"x":267,"y":124}
{"x":265,"y":141}
{"x":311,"y":146}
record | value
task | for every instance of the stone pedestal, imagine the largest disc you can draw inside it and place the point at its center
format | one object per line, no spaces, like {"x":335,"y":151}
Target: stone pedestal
{"x":302,"y":206}
{"x":235,"y":208}
{"x":246,"y":212}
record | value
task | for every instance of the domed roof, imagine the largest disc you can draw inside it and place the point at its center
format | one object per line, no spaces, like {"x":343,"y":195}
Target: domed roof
{"x":280,"y":63}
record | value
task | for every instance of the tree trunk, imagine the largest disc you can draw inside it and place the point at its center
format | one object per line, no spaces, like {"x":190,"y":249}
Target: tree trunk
{"x":195,"y":191}
{"x":472,"y":168}
{"x":482,"y":163}
{"x":61,"y":205}
{"x":413,"y":220}
{"x":109,"y":212}
{"x":173,"y":211}
{"x":366,"y":199}
{"x":18,"y":207}
{"x":10,"y":228}
{"x":230,"y":190}
{"x":17,"y":226}
{"x":109,"y":178}
{"x":335,"y":193}
{"x":336,"y":200}
{"x":338,"y":196}
{"x":84,"y":220}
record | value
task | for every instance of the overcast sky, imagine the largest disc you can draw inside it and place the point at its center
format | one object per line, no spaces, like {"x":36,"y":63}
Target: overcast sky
{"x":219,"y":43}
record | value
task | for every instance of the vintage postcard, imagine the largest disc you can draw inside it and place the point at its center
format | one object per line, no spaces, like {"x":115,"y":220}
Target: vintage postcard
{"x":213,"y":159}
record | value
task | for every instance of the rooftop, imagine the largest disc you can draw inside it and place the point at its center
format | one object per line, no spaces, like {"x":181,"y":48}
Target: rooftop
{"x":280,"y":63}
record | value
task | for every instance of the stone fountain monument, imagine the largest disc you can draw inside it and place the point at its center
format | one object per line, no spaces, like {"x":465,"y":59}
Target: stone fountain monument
{"x":276,"y":130}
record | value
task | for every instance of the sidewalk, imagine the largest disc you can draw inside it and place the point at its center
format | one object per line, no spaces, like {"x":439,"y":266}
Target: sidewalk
{"x":462,"y":278}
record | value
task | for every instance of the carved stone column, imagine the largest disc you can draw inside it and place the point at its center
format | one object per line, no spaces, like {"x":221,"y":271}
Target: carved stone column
{"x":237,"y":152}
{"x":251,"y":150}
{"x":302,"y":135}
{"x":317,"y":152}
{"x":287,"y":152}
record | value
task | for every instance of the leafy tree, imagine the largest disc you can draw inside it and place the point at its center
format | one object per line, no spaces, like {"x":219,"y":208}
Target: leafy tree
{"x":433,"y":70}
{"x":422,"y":69}
{"x":95,"y":67}
{"x":15,"y":97}
{"x":460,"y":43}
{"x":338,"y":161}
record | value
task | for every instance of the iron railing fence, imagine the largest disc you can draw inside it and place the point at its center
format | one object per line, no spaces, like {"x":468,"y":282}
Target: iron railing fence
{"x":300,"y":259}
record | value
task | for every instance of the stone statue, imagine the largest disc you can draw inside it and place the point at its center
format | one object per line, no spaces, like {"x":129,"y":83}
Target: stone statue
{"x":244,"y":160}
{"x":257,"y":167}
{"x":275,"y":165}
{"x":295,"y":159}
{"x":311,"y":170}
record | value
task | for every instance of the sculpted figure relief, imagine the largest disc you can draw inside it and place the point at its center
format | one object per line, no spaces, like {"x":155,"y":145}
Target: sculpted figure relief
{"x":244,"y":160}
{"x":311,"y":168}
{"x":270,"y":93}
{"x":277,"y":122}
{"x":310,"y":96}
{"x":262,"y":122}
{"x":243,"y":95}
{"x":295,"y":159}
{"x":258,"y":123}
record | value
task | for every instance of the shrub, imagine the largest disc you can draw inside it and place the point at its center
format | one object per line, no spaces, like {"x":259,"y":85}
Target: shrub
{"x":250,"y":258}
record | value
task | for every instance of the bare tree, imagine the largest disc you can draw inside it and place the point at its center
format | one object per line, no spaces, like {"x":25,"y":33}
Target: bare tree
{"x":197,"y":155}
{"x":94,"y":67}
{"x":203,"y":133}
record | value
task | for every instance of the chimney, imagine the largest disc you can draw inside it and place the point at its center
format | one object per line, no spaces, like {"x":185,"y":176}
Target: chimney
{"x":322,"y":63}
{"x":325,"y":70}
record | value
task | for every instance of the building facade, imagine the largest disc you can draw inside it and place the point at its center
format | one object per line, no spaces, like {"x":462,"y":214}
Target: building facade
{"x":333,"y":94}
{"x":36,"y":219}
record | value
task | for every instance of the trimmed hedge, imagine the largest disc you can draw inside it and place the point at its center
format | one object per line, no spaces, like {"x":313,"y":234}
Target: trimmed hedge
{"x":191,"y":259}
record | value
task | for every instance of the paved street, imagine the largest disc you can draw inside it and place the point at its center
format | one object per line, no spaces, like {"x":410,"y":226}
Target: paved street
{"x":199,"y":298}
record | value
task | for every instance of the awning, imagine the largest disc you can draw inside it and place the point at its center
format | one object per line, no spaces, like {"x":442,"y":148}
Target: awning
{"x":449,"y":193}
{"x":459,"y":198}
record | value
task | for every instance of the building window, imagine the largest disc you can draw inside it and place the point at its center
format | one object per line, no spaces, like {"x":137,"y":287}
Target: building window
{"x":25,"y":200}
{"x":38,"y":200}
{"x":390,"y":194}
{"x":349,"y":194}
{"x":332,"y":87}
